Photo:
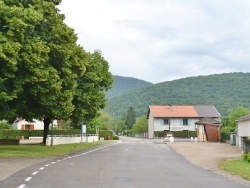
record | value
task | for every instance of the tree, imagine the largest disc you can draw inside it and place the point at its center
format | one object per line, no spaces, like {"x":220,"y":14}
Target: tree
{"x":236,"y":113}
{"x":90,"y":93}
{"x":141,"y":125}
{"x":40,"y":62}
{"x":130,"y":118}
{"x":5,"y":125}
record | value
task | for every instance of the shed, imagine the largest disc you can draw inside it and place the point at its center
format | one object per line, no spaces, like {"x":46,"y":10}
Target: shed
{"x":243,"y":129}
{"x":208,"y":130}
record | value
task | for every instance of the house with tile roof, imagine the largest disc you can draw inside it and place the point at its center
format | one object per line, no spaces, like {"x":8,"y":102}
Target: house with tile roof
{"x":178,"y":118}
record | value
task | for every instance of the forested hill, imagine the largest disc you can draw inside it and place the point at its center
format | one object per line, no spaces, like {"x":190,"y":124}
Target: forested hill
{"x":224,"y":91}
{"x":122,"y":84}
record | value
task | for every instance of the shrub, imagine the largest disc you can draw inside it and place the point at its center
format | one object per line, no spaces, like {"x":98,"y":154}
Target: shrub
{"x":115,"y":138}
{"x":248,"y":157}
{"x":244,"y":156}
{"x":105,"y":134}
{"x":4,"y":125}
{"x":225,"y":135}
{"x":12,"y":134}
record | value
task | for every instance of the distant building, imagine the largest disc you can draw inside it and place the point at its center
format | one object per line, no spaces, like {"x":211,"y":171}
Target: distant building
{"x":178,"y":118}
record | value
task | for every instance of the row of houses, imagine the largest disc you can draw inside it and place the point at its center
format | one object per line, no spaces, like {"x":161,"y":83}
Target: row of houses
{"x":205,"y":119}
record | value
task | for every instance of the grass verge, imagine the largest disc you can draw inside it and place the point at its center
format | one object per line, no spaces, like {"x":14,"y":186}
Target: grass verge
{"x":40,"y":150}
{"x":237,"y":167}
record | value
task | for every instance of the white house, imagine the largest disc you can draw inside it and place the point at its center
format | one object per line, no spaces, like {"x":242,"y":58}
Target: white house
{"x":178,"y":118}
{"x":243,"y":129}
{"x":22,"y":124}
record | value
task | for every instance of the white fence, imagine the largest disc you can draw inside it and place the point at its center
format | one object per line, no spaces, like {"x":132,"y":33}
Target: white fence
{"x":70,"y":139}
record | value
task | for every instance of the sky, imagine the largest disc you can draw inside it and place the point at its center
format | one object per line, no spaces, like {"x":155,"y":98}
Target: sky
{"x":164,"y":40}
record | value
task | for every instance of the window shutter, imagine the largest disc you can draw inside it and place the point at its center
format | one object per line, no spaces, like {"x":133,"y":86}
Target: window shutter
{"x":32,"y":127}
{"x":22,"y":127}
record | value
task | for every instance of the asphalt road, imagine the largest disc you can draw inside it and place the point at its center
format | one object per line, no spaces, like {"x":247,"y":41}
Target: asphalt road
{"x":128,"y":163}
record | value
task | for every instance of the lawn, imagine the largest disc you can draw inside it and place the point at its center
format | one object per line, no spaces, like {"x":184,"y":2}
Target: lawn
{"x":237,"y":167}
{"x":40,"y":150}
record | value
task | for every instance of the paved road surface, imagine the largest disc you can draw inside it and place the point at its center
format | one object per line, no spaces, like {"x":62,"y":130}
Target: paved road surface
{"x":127,"y":164}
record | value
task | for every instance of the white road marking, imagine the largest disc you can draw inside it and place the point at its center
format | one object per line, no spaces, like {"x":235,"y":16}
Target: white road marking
{"x":52,"y":162}
{"x":34,"y":173}
{"x":59,"y":160}
{"x":22,"y":186}
{"x":28,"y":179}
{"x":41,"y":168}
{"x":47,"y":164}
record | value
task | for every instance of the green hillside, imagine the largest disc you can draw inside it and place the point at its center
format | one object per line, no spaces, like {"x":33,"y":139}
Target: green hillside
{"x":224,"y":91}
{"x":122,"y":84}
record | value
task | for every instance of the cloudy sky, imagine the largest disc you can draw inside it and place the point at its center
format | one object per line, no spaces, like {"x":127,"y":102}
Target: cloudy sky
{"x":163,"y":40}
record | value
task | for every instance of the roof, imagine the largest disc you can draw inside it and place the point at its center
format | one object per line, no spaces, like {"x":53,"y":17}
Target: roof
{"x":183,"y":111}
{"x":208,"y":121}
{"x":244,"y":118}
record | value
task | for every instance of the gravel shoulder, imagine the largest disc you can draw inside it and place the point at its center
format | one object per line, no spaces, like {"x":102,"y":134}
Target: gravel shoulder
{"x":208,"y":156}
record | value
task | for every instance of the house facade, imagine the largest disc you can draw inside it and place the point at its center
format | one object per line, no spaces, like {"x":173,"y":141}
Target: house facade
{"x":22,"y":124}
{"x":243,"y":129}
{"x":178,"y":118}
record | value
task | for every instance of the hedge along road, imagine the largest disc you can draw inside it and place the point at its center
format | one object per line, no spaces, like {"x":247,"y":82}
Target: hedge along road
{"x":127,"y":163}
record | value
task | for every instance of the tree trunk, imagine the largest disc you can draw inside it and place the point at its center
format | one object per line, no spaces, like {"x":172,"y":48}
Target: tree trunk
{"x":46,"y":123}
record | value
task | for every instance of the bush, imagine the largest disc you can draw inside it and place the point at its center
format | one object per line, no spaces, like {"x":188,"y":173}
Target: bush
{"x":115,"y":138}
{"x":12,"y":134}
{"x":225,"y":135}
{"x":244,"y":156}
{"x":105,"y":134}
{"x":248,"y":157}
{"x":4,"y":125}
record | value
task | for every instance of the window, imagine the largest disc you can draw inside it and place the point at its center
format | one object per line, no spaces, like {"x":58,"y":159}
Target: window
{"x":166,"y":121}
{"x":185,"y":121}
{"x":28,"y":126}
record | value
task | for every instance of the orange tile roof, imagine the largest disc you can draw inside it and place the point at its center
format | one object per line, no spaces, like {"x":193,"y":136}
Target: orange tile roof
{"x":173,"y":111}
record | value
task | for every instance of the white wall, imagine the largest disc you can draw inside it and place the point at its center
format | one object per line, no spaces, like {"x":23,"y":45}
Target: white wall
{"x":243,"y":130}
{"x":70,"y":140}
{"x":150,"y":126}
{"x":175,"y":124}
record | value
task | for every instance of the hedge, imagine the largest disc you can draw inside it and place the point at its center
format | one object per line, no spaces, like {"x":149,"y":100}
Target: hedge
{"x":225,"y":136}
{"x":13,"y":134}
{"x":105,"y":134}
{"x":178,"y":134}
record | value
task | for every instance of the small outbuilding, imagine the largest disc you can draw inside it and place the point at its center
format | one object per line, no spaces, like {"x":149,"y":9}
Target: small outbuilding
{"x":208,"y":130}
{"x":243,"y":132}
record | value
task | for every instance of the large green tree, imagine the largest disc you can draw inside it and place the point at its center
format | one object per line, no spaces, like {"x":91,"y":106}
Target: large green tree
{"x":90,"y":93}
{"x":40,"y":62}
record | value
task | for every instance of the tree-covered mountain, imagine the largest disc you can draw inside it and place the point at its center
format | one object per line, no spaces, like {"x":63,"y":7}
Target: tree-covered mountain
{"x":224,"y":91}
{"x":122,"y":84}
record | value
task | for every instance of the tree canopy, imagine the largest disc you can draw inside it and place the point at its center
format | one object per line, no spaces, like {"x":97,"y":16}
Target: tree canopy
{"x":42,"y":67}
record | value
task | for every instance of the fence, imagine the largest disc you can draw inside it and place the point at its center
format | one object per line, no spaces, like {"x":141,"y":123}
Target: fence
{"x":70,"y":139}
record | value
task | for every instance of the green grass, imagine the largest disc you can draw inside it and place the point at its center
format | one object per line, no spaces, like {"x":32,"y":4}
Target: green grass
{"x":237,"y":167}
{"x":40,"y":150}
